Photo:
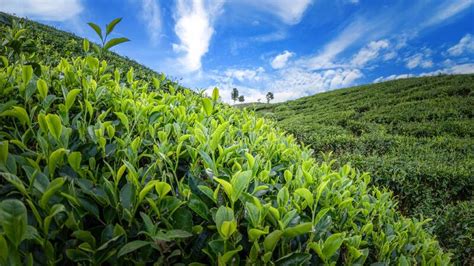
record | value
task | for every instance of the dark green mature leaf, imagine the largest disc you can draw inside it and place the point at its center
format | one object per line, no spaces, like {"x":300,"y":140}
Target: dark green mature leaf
{"x":3,"y":152}
{"x":132,"y":246}
{"x":294,"y":259}
{"x":332,"y":244}
{"x":110,"y":27}
{"x":114,"y":42}
{"x":51,"y":190}
{"x":97,"y":29}
{"x":13,"y":218}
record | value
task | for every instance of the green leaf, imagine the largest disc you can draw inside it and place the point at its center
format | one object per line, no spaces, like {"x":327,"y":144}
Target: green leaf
{"x":207,"y":105}
{"x":26,"y":74}
{"x":271,"y":240}
{"x":215,"y":94}
{"x":132,"y":246}
{"x":294,"y":259}
{"x":298,"y":229}
{"x":19,"y":113}
{"x":92,"y":62}
{"x":97,"y":29}
{"x":13,"y":219}
{"x":3,"y":152}
{"x":15,"y":181}
{"x":3,"y":249}
{"x":227,"y":187}
{"x":54,"y":159}
{"x":51,"y":190}
{"x":55,"y":126}
{"x":162,"y":188}
{"x":196,"y":205}
{"x":320,"y":189}
{"x":174,"y":234}
{"x":217,"y":136}
{"x":228,"y":228}
{"x":332,"y":244}
{"x":224,"y":214}
{"x":74,"y":159}
{"x":306,"y":194}
{"x":85,"y":45}
{"x":240,"y":182}
{"x":110,"y":27}
{"x":115,"y":41}
{"x":42,"y":88}
{"x":123,"y":119}
{"x":228,"y":255}
{"x":71,"y":97}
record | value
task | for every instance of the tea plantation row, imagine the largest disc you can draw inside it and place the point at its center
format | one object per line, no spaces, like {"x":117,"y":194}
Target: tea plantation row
{"x":415,"y":136}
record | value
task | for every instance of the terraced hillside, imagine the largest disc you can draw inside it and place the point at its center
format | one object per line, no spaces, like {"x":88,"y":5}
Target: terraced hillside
{"x":415,"y":136}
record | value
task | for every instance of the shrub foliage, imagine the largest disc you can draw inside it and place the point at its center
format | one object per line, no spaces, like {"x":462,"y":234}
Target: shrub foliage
{"x":413,"y":135}
{"x":97,"y":166}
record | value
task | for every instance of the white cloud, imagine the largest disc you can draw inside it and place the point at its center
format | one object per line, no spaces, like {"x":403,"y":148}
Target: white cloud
{"x":346,"y":38}
{"x":194,"y":28}
{"x":465,"y":45}
{"x":289,"y":11}
{"x":448,"y":10}
{"x":246,"y":74}
{"x":369,"y":52}
{"x":286,"y":84}
{"x":419,"y":60}
{"x":280,"y":60}
{"x":52,"y":10}
{"x":151,"y":14}
{"x":393,"y":77}
{"x":456,"y":69}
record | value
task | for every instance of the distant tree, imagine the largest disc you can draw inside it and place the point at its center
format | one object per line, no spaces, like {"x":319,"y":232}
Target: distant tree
{"x":235,"y":94}
{"x":241,"y":98}
{"x":269,"y":96}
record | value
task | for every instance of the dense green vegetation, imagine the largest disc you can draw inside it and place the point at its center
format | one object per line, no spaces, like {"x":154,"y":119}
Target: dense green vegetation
{"x":98,"y":166}
{"x":415,"y":136}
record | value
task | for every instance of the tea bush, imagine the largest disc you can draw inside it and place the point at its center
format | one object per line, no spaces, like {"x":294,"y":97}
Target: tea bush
{"x":413,"y":135}
{"x":99,"y":167}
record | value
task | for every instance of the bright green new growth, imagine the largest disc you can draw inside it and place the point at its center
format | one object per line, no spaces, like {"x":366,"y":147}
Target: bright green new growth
{"x":99,"y":168}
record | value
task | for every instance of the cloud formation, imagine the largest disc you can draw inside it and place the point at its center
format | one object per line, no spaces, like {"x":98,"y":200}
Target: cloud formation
{"x":289,"y":11}
{"x":369,"y":52}
{"x":50,"y":10}
{"x":280,"y":60}
{"x":194,"y":28}
{"x":465,"y":45}
{"x":151,"y":14}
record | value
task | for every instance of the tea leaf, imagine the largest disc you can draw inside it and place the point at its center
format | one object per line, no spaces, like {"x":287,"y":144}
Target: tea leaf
{"x":207,"y":104}
{"x":51,"y":190}
{"x":110,"y":27}
{"x":74,"y":159}
{"x":3,"y":152}
{"x":332,"y":244}
{"x":13,"y":219}
{"x":114,"y":42}
{"x":54,"y":125}
{"x":19,"y":113}
{"x":71,"y":97}
{"x":42,"y":88}
{"x":132,"y":246}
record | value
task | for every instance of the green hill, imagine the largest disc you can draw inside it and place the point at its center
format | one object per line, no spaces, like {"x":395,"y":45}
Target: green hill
{"x":415,"y":136}
{"x":100,"y":164}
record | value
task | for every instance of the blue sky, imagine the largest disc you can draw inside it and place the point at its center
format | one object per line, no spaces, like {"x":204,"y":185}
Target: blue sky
{"x":293,"y":48}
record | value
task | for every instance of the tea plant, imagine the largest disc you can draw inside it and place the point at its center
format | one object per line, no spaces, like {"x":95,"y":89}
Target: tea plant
{"x":99,"y":167}
{"x":414,"y":136}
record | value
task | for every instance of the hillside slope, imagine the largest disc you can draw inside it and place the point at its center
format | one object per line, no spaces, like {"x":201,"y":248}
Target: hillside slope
{"x":414,"y":136}
{"x":100,"y":167}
